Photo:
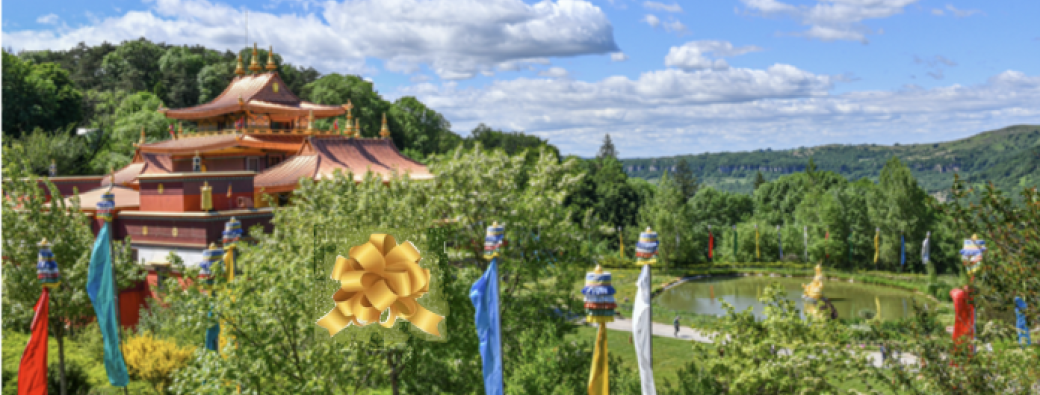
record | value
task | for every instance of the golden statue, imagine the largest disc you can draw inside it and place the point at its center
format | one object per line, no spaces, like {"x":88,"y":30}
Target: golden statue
{"x":814,"y":289}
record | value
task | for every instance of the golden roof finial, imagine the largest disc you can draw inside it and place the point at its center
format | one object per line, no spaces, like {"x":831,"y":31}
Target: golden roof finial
{"x":357,"y":128}
{"x":254,"y":66}
{"x":111,"y":178}
{"x":310,"y":120}
{"x":384,"y":132}
{"x":270,"y":59}
{"x":350,"y":119}
{"x":142,"y":137}
{"x":240,"y":70}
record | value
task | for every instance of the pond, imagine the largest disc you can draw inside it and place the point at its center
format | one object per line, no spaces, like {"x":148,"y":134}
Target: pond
{"x":850,"y":299}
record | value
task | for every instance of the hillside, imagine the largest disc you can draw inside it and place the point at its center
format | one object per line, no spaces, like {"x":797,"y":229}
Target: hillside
{"x":1008,"y":157}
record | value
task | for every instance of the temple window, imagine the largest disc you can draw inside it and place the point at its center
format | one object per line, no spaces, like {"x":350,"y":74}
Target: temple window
{"x":252,"y":164}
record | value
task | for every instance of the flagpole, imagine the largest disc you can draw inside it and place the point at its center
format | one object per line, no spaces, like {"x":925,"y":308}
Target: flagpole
{"x":115,"y":284}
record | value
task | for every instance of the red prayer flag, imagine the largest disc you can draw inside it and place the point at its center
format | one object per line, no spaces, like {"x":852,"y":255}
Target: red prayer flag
{"x":32,"y":371}
{"x":172,"y":135}
{"x":711,"y":245}
{"x":335,"y":124}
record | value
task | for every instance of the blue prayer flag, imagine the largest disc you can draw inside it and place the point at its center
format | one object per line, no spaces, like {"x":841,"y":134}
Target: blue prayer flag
{"x":902,"y":250}
{"x":101,"y":289}
{"x":484,"y":295}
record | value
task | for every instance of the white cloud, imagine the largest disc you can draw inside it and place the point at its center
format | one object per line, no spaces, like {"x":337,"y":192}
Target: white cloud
{"x":831,"y":20}
{"x":49,"y":19}
{"x":935,"y":61}
{"x":671,"y":112}
{"x":938,"y":12}
{"x":454,"y":39}
{"x":554,"y":72}
{"x":675,"y":26}
{"x":691,"y":56}
{"x":961,"y":13}
{"x":618,"y":57}
{"x":651,"y":20}
{"x":658,"y":6}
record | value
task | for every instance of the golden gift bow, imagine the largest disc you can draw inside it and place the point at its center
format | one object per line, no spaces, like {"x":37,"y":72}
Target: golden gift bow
{"x":380,"y":275}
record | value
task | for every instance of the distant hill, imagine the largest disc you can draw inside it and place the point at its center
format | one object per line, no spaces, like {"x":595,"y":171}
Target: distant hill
{"x":1008,"y":157}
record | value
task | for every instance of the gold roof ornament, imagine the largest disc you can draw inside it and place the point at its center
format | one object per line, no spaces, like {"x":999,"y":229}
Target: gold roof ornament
{"x":142,"y":137}
{"x":310,"y":120}
{"x":240,"y":70}
{"x":111,"y":178}
{"x":254,"y":66}
{"x":350,"y":118}
{"x":384,"y":132}
{"x":357,"y":128}
{"x":270,"y":60}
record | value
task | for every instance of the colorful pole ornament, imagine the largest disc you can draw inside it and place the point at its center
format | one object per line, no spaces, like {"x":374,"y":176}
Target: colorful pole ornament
{"x":380,"y":276}
{"x":232,"y":232}
{"x":484,"y":295}
{"x":780,"y":242}
{"x":971,"y":255}
{"x":1020,"y":322}
{"x":599,"y":307}
{"x":646,"y":248}
{"x":102,"y":292}
{"x":493,"y":241}
{"x":46,"y":269}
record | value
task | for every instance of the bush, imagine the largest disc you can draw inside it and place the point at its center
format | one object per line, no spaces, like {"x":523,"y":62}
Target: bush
{"x":76,"y":380}
{"x":154,"y":360}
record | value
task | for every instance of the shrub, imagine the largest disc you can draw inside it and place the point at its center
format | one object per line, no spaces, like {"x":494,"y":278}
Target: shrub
{"x":154,"y":360}
{"x":76,"y":380}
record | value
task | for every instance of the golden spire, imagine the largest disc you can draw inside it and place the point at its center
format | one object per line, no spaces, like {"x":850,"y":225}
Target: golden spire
{"x":350,"y":119}
{"x":240,"y":70}
{"x":357,"y":128}
{"x":310,"y":120}
{"x":254,"y":66}
{"x":270,"y":60}
{"x":384,"y":132}
{"x":142,"y":137}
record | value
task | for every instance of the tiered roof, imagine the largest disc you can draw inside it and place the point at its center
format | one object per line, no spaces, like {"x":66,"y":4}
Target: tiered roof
{"x":257,"y":93}
{"x":320,"y":157}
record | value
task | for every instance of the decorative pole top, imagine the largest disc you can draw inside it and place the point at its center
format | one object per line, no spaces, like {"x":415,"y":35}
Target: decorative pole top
{"x":254,"y":66}
{"x":240,"y":70}
{"x":270,"y":59}
{"x":52,"y":170}
{"x":46,"y":268}
{"x":142,"y":137}
{"x":974,"y":237}
{"x":384,"y":132}
{"x":598,"y":269}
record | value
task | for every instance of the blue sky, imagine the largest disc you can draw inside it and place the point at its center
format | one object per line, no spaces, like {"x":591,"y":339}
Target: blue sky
{"x":662,"y":77}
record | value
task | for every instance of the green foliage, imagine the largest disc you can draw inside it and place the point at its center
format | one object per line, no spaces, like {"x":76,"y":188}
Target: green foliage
{"x":685,"y":179}
{"x":607,"y":150}
{"x":667,"y":215}
{"x":38,"y":96}
{"x":37,"y":149}
{"x":154,"y":360}
{"x":134,"y":113}
{"x":133,"y":65}
{"x":511,"y":142}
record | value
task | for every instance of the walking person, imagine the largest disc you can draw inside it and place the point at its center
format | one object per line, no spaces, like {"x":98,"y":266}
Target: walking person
{"x":676,"y":326}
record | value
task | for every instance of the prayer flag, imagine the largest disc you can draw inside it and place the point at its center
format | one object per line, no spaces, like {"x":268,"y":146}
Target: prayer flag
{"x":32,"y":371}
{"x":642,"y":332}
{"x":902,"y":250}
{"x":101,"y":289}
{"x":484,"y":295}
{"x":598,"y":381}
{"x":877,"y":239}
{"x":711,"y":245}
{"x":172,"y":134}
{"x":926,"y":249}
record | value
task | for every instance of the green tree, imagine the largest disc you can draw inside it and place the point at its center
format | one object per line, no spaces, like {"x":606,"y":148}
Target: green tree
{"x":38,"y":96}
{"x":666,"y":214}
{"x":416,"y":128}
{"x":213,"y":79}
{"x":685,"y":179}
{"x":180,"y":68}
{"x":134,"y":113}
{"x":337,"y":89}
{"x":607,"y":150}
{"x":28,"y":218}
{"x":899,"y":206}
{"x":759,"y":180}
{"x":133,"y":65}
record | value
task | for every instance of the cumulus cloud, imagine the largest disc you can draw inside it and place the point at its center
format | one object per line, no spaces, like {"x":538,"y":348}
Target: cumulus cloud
{"x":554,"y":72}
{"x":831,"y":20}
{"x":455,"y":39}
{"x":675,"y":26}
{"x":618,"y":57}
{"x":671,"y":112}
{"x":49,"y":19}
{"x":658,"y":6}
{"x":961,"y":13}
{"x":651,"y":20}
{"x":692,"y":55}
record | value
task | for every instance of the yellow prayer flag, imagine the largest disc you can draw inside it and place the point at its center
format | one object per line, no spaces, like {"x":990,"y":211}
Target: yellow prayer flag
{"x":598,"y":382}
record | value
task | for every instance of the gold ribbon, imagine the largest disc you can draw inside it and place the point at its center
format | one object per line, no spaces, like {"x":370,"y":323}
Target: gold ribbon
{"x":380,"y":275}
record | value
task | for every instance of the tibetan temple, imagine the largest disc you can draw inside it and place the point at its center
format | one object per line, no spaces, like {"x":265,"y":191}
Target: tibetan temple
{"x":257,"y":138}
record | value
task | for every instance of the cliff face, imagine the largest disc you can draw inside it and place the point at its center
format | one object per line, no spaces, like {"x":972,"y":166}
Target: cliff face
{"x":1008,"y":157}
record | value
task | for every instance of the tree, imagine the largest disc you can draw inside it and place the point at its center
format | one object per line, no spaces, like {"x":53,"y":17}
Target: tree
{"x":38,"y":96}
{"x":666,"y":213}
{"x":134,"y":113}
{"x":759,"y":180}
{"x":607,"y":150}
{"x":27,"y":220}
{"x":416,"y":128}
{"x":180,"y":68}
{"x":900,"y":206}
{"x":213,"y":79}
{"x":685,"y":179}
{"x":133,"y":65}
{"x":337,"y":89}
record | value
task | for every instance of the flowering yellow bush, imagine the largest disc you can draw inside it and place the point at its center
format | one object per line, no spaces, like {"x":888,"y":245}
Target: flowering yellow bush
{"x":154,"y":360}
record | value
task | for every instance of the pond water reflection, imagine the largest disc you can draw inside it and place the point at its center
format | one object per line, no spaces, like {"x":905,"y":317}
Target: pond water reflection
{"x":849,"y":299}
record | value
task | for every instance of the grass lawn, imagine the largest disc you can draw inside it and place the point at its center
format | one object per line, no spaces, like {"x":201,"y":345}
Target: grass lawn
{"x":669,"y":354}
